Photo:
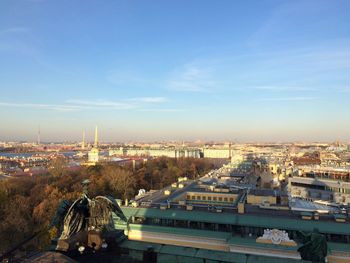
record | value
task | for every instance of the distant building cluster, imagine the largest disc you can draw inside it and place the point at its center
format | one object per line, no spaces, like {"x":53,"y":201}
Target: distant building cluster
{"x":229,"y":212}
{"x":157,"y":152}
{"x":252,"y":208}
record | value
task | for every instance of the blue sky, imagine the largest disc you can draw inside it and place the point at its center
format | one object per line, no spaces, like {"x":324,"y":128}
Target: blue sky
{"x":186,"y":70}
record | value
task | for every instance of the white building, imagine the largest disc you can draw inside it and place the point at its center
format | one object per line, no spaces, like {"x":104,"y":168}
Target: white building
{"x":93,"y":155}
{"x":157,"y":152}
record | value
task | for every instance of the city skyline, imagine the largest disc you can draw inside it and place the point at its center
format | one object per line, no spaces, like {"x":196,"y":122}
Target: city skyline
{"x":235,"y":71}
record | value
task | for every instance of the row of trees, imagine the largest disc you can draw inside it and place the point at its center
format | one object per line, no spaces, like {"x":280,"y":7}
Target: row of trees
{"x":27,"y":205}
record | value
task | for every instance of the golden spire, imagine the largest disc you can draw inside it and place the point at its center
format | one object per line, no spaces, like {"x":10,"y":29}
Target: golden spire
{"x":83,"y":143}
{"x":96,"y":138}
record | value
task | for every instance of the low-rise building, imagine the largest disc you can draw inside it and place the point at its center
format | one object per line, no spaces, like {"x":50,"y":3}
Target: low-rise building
{"x":267,"y":197}
{"x":157,"y":152}
{"x":320,"y":189}
{"x":232,"y":218}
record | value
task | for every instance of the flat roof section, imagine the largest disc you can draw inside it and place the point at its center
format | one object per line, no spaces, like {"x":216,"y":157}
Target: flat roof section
{"x":257,"y":220}
{"x":196,"y":253}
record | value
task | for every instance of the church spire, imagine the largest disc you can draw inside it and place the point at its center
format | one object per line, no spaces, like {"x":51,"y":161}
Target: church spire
{"x":83,"y":142}
{"x":96,"y":137}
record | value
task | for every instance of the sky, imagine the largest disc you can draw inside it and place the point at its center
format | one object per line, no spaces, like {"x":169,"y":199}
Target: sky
{"x":256,"y":70}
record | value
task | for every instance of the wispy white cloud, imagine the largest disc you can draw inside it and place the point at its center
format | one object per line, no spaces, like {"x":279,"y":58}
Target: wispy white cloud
{"x":100,"y":104}
{"x":276,"y":23}
{"x":21,"y":40}
{"x":192,"y":78}
{"x":14,"y":30}
{"x":162,"y":110}
{"x":315,"y":59}
{"x":122,"y":77}
{"x":344,"y":90}
{"x":140,"y":103}
{"x":149,"y":99}
{"x":282,"y":88}
{"x":36,"y":1}
{"x":56,"y":107}
{"x":121,"y":104}
{"x":288,"y":99}
{"x":16,"y":39}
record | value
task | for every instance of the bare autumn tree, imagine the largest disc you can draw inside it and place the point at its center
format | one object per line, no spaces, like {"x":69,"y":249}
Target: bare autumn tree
{"x":120,"y":181}
{"x":28,"y":204}
{"x":57,"y":167}
{"x":16,"y":223}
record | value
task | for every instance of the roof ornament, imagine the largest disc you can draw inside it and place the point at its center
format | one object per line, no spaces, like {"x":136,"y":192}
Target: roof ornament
{"x":87,"y":221}
{"x":276,"y":237}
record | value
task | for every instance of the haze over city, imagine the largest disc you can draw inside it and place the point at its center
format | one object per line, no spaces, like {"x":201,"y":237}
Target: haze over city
{"x":175,"y":131}
{"x":183,"y":70}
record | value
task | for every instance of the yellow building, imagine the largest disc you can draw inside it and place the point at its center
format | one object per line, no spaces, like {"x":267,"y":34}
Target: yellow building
{"x":266,"y":197}
{"x":93,"y":155}
{"x":212,"y":198}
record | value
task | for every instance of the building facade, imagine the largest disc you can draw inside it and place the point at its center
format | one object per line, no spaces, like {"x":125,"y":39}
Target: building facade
{"x":320,"y":189}
{"x":157,"y":152}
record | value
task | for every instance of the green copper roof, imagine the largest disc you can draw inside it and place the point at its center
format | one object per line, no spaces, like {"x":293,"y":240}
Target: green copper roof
{"x":193,"y":253}
{"x":278,"y":222}
{"x":339,"y":247}
{"x":180,"y":251}
{"x":251,"y":242}
{"x":181,"y":231}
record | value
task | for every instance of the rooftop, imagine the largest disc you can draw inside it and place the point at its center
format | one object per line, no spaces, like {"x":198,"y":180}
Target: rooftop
{"x":265,"y":220}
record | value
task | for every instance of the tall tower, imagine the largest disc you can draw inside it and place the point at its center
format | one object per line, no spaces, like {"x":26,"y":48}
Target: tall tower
{"x":83,"y":142}
{"x":38,"y":139}
{"x":96,"y":138}
{"x":229,"y":151}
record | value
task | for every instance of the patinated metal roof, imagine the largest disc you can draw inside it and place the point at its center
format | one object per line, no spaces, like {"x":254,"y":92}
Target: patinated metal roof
{"x":264,"y":221}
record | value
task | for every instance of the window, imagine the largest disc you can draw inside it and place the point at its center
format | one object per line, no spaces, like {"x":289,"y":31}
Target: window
{"x":311,"y":186}
{"x":204,"y":198}
{"x":225,"y":199}
{"x":220,"y":199}
{"x":139,"y":220}
{"x":231,"y":199}
{"x":209,"y":198}
{"x":214,"y":198}
{"x":155,"y":221}
{"x":198,"y":197}
{"x":193,"y":197}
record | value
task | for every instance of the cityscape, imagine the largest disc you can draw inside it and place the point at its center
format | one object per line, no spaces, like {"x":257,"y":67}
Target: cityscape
{"x":226,"y":212}
{"x":174,"y":131}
